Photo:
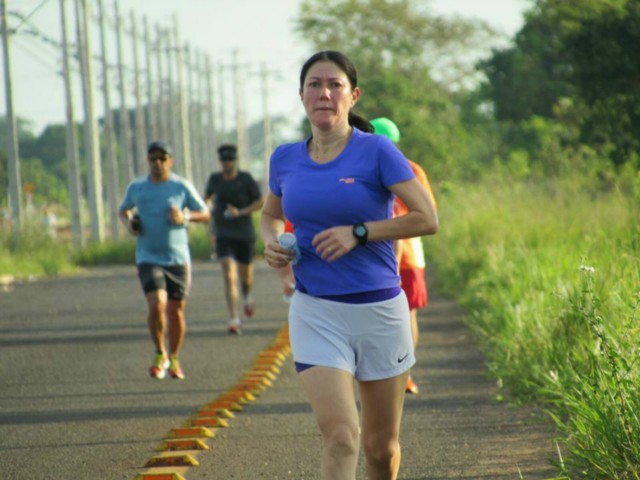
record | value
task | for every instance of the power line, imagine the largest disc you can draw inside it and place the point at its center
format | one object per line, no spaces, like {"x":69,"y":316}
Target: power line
{"x":30,"y":15}
{"x":42,"y":61}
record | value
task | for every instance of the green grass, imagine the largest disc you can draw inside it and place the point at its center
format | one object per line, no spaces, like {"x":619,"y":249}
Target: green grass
{"x":34,"y":252}
{"x":549,"y":274}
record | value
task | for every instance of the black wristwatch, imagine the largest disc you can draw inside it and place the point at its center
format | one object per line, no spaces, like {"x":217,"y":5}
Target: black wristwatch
{"x":361,"y":232}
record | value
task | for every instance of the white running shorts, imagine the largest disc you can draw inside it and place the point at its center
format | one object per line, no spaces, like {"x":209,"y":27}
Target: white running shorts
{"x":372,"y":341}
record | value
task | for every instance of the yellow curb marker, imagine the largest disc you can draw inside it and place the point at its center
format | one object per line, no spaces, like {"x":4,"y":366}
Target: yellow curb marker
{"x":191,"y":432}
{"x":162,"y":474}
{"x":215,"y":412}
{"x":226,"y":404}
{"x":209,"y":422}
{"x":172,"y":459}
{"x":181,"y":446}
{"x":175,"y":444}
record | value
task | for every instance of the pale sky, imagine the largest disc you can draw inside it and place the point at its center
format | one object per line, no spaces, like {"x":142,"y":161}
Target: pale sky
{"x":259,"y":30}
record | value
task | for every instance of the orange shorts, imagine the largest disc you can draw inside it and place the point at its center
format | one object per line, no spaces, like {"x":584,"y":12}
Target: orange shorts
{"x":415,"y":287}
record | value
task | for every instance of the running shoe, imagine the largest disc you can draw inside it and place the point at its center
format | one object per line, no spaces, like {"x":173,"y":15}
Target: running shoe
{"x":159,"y":368}
{"x":249,"y":307}
{"x":174,"y":368}
{"x":234,"y":326}
{"x":411,"y":387}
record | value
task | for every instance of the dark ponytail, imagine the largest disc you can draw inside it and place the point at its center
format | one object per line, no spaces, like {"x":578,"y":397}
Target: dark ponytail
{"x":347,"y":66}
{"x":358,"y":121}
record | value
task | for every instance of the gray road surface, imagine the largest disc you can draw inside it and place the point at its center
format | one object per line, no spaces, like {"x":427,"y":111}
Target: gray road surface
{"x":76,"y":402}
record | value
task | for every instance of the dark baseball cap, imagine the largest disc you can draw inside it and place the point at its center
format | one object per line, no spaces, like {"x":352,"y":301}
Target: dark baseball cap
{"x":162,"y":146}
{"x":227,"y":151}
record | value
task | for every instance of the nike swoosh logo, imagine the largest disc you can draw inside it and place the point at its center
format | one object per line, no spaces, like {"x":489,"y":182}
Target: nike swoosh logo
{"x":402,"y":359}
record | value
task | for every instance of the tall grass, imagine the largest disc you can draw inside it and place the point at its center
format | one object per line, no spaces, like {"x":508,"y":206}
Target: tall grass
{"x":33,"y":252}
{"x":123,"y":251}
{"x":550,"y":275}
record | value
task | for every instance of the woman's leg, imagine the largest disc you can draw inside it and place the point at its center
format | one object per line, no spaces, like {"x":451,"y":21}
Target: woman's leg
{"x":330,"y":392}
{"x":381,"y":405}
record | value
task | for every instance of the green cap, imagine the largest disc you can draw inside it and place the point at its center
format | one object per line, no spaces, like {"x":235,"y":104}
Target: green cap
{"x":384,"y":126}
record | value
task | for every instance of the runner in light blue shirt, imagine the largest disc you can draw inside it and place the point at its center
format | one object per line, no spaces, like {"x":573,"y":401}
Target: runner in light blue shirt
{"x":157,"y":209}
{"x":159,"y":241}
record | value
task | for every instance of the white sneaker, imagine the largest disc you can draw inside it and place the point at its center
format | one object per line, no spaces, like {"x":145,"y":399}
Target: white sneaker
{"x":234,"y":327}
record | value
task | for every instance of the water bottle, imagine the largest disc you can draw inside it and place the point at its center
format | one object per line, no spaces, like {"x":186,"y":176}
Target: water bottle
{"x":289,"y":241}
{"x":136,"y":225}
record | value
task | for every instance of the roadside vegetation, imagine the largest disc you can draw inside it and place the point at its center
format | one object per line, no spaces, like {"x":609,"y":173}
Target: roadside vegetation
{"x":534,"y":155}
{"x":550,"y":275}
{"x":34,"y":252}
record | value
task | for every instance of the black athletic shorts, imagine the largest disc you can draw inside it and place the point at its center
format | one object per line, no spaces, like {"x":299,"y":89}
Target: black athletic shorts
{"x":242,"y":251}
{"x":175,"y":279}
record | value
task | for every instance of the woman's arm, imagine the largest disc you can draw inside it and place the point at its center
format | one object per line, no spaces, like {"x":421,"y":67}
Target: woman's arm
{"x":421,"y":219}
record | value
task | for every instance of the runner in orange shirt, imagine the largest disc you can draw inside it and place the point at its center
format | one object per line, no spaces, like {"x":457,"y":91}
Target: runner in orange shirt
{"x":410,"y":253}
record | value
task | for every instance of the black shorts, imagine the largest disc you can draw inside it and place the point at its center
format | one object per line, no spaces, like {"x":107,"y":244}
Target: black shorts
{"x":242,"y":251}
{"x":175,"y":279}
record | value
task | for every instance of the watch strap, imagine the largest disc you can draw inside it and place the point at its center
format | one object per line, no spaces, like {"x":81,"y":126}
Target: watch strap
{"x":361,"y":232}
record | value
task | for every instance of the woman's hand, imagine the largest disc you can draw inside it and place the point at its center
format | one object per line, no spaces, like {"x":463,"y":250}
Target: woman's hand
{"x":276,"y":255}
{"x":335,"y":242}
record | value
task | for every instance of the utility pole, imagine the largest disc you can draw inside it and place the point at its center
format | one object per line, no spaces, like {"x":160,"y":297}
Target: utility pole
{"x":170,"y":107}
{"x":94,"y":171}
{"x":212,"y":144}
{"x":109,"y":137}
{"x":152,"y":120}
{"x":125,"y":126}
{"x":73,"y":170}
{"x":183,"y":98}
{"x":15,"y":193}
{"x":221,"y":99}
{"x":266,"y":126}
{"x":162,"y":109}
{"x":209,"y":136}
{"x":141,"y":142}
{"x":195,"y":118}
{"x":241,"y":125}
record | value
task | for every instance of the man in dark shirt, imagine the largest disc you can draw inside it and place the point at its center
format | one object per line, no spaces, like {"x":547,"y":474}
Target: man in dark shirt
{"x":235,"y":195}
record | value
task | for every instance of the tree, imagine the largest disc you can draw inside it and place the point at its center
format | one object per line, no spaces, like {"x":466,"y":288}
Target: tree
{"x":408,"y":60}
{"x":529,"y":78}
{"x":24,"y":134}
{"x":49,"y":189}
{"x":606,"y":73}
{"x":403,"y":33}
{"x":582,"y":53}
{"x":50,"y":148}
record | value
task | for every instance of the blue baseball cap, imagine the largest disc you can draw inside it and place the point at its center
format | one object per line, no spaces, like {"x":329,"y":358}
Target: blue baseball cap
{"x":162,"y":146}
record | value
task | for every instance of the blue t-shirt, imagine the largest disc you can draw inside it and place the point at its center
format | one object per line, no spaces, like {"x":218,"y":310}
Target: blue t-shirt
{"x":160,"y":242}
{"x":351,"y":188}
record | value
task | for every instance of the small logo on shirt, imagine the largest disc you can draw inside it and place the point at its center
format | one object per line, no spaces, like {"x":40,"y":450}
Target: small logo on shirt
{"x":402,"y":359}
{"x":348,"y":180}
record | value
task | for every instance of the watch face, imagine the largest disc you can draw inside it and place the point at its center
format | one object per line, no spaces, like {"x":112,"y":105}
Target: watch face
{"x":361,"y":231}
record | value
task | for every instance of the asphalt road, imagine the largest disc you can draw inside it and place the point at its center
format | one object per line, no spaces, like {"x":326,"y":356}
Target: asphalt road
{"x":76,"y":401}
